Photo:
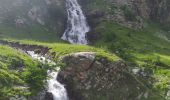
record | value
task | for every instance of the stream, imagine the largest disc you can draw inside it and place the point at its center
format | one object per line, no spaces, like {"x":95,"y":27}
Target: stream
{"x":57,"y":89}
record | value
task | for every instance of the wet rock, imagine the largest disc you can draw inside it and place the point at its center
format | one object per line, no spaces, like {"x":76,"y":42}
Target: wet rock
{"x":93,"y":36}
{"x":168,"y":95}
{"x":96,"y":14}
{"x":49,"y":96}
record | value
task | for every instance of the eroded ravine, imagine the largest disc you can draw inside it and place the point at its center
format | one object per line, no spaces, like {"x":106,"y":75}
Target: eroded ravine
{"x":53,"y":86}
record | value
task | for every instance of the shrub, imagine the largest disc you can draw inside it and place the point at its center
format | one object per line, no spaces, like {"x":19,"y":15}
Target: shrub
{"x":129,"y":14}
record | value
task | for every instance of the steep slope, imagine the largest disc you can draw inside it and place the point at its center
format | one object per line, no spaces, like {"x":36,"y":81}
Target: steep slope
{"x":34,"y":17}
{"x":80,"y":71}
{"x":30,"y":19}
{"x":129,"y":13}
{"x":137,"y":31}
{"x":31,"y":75}
{"x":144,"y":50}
{"x":16,"y":71}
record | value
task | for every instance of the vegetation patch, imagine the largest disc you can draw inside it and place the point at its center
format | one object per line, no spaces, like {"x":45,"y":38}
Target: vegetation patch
{"x":129,"y":14}
{"x":141,"y":49}
{"x":19,"y":74}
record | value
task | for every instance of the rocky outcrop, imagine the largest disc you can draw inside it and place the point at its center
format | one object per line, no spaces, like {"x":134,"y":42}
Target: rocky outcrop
{"x":87,"y":77}
{"x":120,"y":11}
{"x":49,"y":13}
{"x":43,"y":95}
{"x":52,"y":13}
{"x":49,"y":96}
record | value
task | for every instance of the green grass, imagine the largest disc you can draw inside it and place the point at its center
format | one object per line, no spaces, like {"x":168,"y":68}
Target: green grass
{"x":10,"y":60}
{"x":31,"y":32}
{"x":143,"y":48}
{"x":8,"y":55}
{"x":62,"y":49}
{"x":137,"y":43}
{"x":33,"y":75}
{"x":19,"y":70}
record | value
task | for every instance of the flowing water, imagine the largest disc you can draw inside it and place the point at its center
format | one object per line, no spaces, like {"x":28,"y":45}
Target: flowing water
{"x":77,"y":26}
{"x":54,"y":87}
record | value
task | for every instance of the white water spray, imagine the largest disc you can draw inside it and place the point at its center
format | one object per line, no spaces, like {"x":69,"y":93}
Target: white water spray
{"x":76,"y":25}
{"x":54,"y":87}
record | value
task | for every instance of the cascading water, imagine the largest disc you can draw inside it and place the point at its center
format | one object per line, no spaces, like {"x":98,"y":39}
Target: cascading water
{"x":54,"y":87}
{"x":76,"y":25}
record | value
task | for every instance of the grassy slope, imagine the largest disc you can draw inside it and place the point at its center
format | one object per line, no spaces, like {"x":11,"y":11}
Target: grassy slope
{"x":143,"y":48}
{"x":32,"y":32}
{"x":18,"y":70}
{"x":10,"y":60}
{"x":131,"y":83}
{"x":63,"y":49}
{"x":140,"y":47}
{"x":33,"y":75}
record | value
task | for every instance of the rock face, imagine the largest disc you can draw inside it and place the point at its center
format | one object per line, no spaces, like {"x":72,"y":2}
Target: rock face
{"x":48,"y":96}
{"x":52,"y":13}
{"x":88,"y":77}
{"x":42,"y":95}
{"x":129,"y":13}
{"x":27,"y":12}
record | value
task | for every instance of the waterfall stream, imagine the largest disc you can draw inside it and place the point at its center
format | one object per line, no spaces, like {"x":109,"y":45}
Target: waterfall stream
{"x":54,"y":87}
{"x":77,"y":26}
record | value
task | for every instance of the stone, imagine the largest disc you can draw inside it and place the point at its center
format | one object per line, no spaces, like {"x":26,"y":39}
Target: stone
{"x":49,"y":96}
{"x":84,"y":73}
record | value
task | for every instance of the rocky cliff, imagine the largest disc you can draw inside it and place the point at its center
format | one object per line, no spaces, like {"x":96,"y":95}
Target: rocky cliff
{"x":129,"y":13}
{"x":19,"y":13}
{"x":52,"y":13}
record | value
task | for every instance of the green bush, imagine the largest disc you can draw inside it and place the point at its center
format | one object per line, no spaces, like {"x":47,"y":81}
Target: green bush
{"x":34,"y":76}
{"x":129,"y":14}
{"x":112,"y":9}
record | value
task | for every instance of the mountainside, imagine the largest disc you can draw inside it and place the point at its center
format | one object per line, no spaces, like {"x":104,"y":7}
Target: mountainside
{"x":127,"y":56}
{"x":131,"y":13}
{"x":44,"y":12}
{"x":33,"y":18}
{"x":52,"y":13}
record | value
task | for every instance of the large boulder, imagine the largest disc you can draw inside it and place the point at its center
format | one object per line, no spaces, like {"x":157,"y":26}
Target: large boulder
{"x":88,"y":77}
{"x":49,"y":96}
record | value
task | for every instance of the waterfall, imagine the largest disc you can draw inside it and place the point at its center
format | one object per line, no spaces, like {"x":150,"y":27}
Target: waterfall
{"x":77,"y":26}
{"x":54,"y":87}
